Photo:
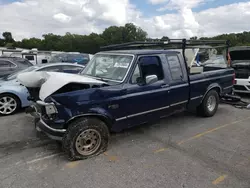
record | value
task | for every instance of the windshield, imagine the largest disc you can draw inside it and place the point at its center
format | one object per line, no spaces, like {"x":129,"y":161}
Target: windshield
{"x":14,"y":75}
{"x":110,"y":67}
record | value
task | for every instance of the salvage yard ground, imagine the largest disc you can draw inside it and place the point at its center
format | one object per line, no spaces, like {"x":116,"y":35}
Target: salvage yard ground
{"x":181,"y":151}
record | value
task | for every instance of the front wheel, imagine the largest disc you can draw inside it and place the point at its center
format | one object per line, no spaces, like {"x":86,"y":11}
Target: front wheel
{"x":9,"y":104}
{"x":85,"y":138}
{"x":209,"y":105}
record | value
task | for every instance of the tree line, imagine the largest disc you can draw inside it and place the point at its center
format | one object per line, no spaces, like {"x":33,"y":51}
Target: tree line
{"x":112,"y":35}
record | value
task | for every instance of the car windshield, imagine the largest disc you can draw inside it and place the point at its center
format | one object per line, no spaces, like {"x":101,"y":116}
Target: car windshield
{"x":14,"y":75}
{"x":70,"y":58}
{"x":108,"y":67}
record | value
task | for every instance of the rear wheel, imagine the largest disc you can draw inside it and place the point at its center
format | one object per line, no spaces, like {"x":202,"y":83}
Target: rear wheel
{"x":9,"y":104}
{"x":209,"y":105}
{"x":85,"y":138}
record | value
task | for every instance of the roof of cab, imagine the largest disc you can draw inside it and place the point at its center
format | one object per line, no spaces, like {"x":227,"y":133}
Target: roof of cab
{"x":140,"y":52}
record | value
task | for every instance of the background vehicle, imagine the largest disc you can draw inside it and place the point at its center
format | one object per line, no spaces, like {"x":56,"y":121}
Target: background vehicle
{"x":13,"y":95}
{"x":133,"y":87}
{"x":240,"y":59}
{"x":79,"y":58}
{"x":9,"y":65}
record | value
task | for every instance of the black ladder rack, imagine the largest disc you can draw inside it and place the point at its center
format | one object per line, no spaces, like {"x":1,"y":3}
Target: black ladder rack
{"x":169,"y":44}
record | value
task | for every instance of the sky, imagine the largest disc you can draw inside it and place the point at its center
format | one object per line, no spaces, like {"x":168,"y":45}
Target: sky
{"x":172,"y":18}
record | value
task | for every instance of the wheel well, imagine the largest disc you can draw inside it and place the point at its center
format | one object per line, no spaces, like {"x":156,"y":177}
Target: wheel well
{"x":216,"y":88}
{"x":106,"y":120}
{"x":19,"y":100}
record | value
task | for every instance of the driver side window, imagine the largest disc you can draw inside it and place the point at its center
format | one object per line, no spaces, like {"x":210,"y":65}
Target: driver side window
{"x":136,"y":75}
{"x":147,"y":65}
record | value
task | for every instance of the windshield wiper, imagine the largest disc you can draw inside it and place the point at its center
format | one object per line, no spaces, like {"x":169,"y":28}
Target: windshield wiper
{"x":102,"y":79}
{"x":96,"y":77}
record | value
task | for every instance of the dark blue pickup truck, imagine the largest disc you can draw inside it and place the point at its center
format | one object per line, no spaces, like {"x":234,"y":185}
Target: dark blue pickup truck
{"x":119,"y":89}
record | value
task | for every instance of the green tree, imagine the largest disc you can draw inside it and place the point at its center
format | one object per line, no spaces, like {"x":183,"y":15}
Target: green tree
{"x":130,"y":33}
{"x":194,"y":38}
{"x":113,"y":35}
{"x":30,"y":43}
{"x":1,"y":42}
{"x":8,"y":37}
{"x":164,"y":38}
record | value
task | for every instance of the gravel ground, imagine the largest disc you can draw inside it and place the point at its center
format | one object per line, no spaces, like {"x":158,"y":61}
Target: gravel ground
{"x":181,"y":151}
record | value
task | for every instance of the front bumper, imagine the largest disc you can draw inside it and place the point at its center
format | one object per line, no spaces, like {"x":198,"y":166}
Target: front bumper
{"x":33,"y":110}
{"x":55,"y":134}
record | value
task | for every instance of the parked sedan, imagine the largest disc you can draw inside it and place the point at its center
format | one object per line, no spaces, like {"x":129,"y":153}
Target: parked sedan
{"x":9,"y":65}
{"x":13,"y":95}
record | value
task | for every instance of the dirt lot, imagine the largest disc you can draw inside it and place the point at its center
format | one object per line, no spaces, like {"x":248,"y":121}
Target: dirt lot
{"x":180,"y":151}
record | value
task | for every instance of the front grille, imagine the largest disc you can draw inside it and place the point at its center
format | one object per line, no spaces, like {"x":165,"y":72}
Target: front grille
{"x":238,"y":87}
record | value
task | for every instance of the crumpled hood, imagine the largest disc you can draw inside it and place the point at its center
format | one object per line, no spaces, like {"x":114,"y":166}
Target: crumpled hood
{"x":50,"y":82}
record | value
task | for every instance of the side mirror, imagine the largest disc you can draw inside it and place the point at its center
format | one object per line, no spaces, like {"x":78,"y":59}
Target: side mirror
{"x":150,"y":79}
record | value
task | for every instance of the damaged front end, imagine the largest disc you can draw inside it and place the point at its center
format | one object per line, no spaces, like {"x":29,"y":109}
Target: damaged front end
{"x":51,"y":91}
{"x":57,"y":97}
{"x":240,"y":61}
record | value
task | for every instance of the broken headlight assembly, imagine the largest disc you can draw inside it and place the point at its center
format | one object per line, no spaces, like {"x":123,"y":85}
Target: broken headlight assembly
{"x":50,"y":109}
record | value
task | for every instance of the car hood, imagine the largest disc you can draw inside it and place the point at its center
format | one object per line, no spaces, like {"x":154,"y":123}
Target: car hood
{"x":50,"y":82}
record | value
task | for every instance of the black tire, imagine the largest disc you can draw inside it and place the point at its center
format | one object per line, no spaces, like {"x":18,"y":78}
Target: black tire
{"x":203,"y":109}
{"x":79,"y":127}
{"x":17,"y":100}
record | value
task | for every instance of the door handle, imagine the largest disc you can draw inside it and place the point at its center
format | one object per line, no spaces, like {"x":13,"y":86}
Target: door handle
{"x":164,"y":85}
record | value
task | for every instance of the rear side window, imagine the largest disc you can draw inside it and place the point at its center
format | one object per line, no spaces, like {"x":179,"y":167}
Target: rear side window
{"x":175,"y":67}
{"x":24,"y":63}
{"x":30,"y":57}
{"x":6,"y":64}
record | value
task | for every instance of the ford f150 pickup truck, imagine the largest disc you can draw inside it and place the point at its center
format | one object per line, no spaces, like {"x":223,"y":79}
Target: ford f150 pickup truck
{"x":123,"y":88}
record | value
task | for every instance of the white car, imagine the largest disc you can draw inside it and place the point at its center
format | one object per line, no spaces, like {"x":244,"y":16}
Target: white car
{"x":240,"y":59}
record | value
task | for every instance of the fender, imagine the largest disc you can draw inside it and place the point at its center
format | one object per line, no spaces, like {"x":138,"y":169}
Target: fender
{"x":210,"y":87}
{"x":98,"y":112}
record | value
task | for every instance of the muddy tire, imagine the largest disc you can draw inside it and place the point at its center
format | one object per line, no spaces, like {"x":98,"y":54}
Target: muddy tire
{"x":209,"y":105}
{"x":85,"y":138}
{"x":9,"y":104}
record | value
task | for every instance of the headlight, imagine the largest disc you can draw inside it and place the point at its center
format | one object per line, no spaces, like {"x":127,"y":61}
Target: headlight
{"x":50,"y":109}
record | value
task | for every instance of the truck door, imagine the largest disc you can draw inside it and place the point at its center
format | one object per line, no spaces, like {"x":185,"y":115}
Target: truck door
{"x":179,"y":87}
{"x":147,"y":101}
